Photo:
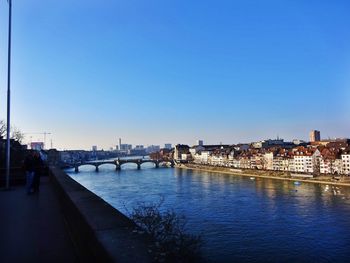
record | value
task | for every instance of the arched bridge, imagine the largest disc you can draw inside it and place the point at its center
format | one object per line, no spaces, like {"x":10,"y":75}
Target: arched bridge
{"x":119,"y":162}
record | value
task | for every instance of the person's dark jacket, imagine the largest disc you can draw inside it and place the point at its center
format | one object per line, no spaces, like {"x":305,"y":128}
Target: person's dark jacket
{"x":38,"y":164}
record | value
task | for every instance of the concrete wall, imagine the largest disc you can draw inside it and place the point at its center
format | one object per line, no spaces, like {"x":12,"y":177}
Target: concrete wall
{"x":100,"y":232}
{"x":17,"y":176}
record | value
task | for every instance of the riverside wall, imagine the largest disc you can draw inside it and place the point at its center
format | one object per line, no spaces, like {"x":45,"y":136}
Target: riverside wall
{"x":278,"y":175}
{"x":100,"y":232}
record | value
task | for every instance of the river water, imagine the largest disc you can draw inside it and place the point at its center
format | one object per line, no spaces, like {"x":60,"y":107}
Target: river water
{"x":240,"y":220}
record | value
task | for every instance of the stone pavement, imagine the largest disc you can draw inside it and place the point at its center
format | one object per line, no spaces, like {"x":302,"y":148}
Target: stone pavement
{"x":32,"y":227}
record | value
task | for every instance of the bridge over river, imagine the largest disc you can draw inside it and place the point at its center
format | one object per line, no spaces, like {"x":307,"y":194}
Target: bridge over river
{"x":119,"y":162}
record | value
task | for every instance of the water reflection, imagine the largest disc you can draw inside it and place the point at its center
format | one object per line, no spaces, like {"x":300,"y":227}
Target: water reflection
{"x":106,"y":167}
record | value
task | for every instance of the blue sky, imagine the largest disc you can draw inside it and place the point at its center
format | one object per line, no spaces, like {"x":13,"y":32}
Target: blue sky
{"x":153,"y":72}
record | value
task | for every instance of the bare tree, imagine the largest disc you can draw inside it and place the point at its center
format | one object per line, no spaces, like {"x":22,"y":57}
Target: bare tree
{"x":2,"y":128}
{"x":17,"y":135}
{"x":168,"y":230}
{"x":316,"y":167}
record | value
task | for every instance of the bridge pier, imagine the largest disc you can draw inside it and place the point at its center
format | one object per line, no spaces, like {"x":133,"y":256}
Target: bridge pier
{"x":138,"y":166}
{"x":117,"y":167}
{"x":96,"y":168}
{"x":157,"y":164}
{"x":76,"y":169}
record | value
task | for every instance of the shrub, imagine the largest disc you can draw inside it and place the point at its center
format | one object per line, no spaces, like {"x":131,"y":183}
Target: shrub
{"x":168,"y":230}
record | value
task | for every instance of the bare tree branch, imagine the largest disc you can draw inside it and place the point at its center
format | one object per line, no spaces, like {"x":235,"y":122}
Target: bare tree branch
{"x":2,"y":129}
{"x":168,"y":230}
{"x":16,"y":134}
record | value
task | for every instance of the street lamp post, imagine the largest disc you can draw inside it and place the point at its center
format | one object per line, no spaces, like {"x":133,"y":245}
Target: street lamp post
{"x":8,"y":146}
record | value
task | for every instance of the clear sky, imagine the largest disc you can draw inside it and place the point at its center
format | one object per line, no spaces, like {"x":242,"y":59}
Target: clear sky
{"x":157,"y":71}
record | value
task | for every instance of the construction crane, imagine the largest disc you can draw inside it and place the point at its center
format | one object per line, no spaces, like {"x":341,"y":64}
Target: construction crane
{"x":43,"y":133}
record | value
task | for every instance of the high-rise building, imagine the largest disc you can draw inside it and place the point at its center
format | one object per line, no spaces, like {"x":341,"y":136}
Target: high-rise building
{"x":125,"y":147}
{"x":37,"y":146}
{"x":168,"y":146}
{"x":138,"y":150}
{"x":153,"y":148}
{"x":315,"y":136}
{"x":94,"y":148}
{"x":200,"y":142}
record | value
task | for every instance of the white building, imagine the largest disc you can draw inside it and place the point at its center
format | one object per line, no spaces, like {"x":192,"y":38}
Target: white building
{"x":268,"y":161}
{"x":196,"y":149}
{"x":232,"y":161}
{"x":205,"y":155}
{"x":338,"y":166}
{"x":306,"y":161}
{"x":197,"y":158}
{"x":303,"y":163}
{"x":186,"y":157}
{"x":330,"y":166}
{"x":218,"y":160}
{"x":277,"y":163}
{"x":289,"y":165}
{"x":245,"y":163}
{"x":345,"y":158}
{"x":201,"y":157}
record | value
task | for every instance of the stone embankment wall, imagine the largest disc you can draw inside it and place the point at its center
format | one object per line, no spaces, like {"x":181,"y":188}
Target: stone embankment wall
{"x":268,"y":174}
{"x":100,"y":232}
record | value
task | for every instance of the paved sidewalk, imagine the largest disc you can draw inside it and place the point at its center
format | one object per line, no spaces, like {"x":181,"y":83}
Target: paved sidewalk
{"x":32,"y":228}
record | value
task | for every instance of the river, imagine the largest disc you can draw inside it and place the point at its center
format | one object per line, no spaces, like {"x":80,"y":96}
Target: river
{"x":240,"y":219}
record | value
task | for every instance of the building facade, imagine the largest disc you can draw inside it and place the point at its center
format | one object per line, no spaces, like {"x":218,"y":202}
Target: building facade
{"x":315,"y":136}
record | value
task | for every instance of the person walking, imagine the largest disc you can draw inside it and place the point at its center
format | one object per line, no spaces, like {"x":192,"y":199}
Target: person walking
{"x":29,"y":170}
{"x":37,"y":163}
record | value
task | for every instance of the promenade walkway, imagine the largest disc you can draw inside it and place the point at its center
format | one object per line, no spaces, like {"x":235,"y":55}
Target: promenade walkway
{"x":32,"y":227}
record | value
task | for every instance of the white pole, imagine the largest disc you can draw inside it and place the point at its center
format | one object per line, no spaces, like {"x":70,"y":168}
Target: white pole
{"x":8,"y":100}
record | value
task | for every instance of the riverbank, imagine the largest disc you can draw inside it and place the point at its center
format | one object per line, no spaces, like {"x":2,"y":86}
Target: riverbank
{"x":343,"y":181}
